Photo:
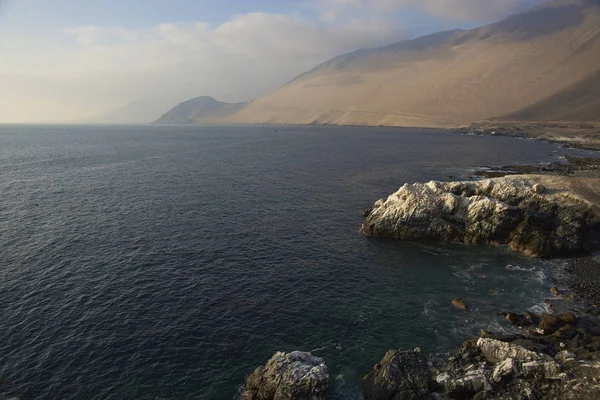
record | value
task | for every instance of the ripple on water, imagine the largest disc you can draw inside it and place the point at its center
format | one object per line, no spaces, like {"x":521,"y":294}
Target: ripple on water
{"x":168,"y":262}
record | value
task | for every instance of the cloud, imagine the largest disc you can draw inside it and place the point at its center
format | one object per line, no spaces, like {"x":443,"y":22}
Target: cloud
{"x":468,"y":10}
{"x":240,"y":59}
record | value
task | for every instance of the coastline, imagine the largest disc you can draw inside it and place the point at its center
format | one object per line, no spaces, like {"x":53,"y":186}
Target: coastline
{"x":554,"y":353}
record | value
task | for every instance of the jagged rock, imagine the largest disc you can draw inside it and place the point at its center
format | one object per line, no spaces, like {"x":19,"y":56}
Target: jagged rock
{"x":541,"y":370}
{"x":504,"y":369}
{"x":399,"y":375}
{"x":468,"y":385}
{"x":495,"y":211}
{"x":460,"y":304}
{"x":288,"y":376}
{"x":496,"y":351}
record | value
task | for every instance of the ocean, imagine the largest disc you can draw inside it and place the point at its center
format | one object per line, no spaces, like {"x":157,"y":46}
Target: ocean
{"x":167,"y":262}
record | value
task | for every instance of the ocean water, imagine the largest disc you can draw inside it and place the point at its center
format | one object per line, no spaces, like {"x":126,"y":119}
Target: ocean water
{"x":152,"y":262}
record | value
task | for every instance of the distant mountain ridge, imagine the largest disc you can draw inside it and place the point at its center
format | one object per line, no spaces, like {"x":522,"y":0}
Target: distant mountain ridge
{"x":543,"y":64}
{"x":204,"y":109}
{"x":136,"y":112}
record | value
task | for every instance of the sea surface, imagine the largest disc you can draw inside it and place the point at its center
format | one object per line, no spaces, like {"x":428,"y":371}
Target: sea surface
{"x":167,"y":262}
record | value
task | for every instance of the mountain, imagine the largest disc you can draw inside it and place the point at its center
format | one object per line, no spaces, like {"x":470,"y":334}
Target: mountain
{"x":203,"y":109}
{"x":543,"y":64}
{"x":137,"y":112}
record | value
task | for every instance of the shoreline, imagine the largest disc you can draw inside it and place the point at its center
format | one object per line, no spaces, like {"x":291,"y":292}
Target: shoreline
{"x":555,"y":355}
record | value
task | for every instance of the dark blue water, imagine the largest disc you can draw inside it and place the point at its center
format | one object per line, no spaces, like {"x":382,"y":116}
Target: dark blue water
{"x":168,"y":262}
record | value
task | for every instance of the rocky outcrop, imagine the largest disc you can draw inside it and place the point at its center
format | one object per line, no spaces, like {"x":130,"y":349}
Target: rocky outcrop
{"x":512,"y":211}
{"x":399,"y":375}
{"x":288,"y":376}
{"x":484,"y":369}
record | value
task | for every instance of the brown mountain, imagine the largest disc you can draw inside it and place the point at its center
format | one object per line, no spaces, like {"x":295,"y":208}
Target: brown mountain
{"x":543,"y":64}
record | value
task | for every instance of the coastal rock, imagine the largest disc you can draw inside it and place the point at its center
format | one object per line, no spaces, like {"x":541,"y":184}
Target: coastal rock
{"x":469,"y":384}
{"x":400,"y":375}
{"x":549,"y":324}
{"x":567,"y":317}
{"x":288,"y":376}
{"x":522,"y":320}
{"x":538,"y":188}
{"x":504,"y":211}
{"x":496,"y":351}
{"x":504,"y":369}
{"x":460,"y":304}
{"x":507,"y":367}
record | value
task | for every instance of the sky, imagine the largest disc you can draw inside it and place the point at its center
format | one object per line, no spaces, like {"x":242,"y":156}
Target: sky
{"x":65,"y":60}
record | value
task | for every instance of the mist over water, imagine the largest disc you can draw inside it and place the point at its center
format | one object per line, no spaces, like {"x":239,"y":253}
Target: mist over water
{"x":168,"y":262}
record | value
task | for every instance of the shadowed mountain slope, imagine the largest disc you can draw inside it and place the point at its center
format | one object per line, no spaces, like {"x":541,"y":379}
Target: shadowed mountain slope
{"x":203,"y":109}
{"x":542,"y":64}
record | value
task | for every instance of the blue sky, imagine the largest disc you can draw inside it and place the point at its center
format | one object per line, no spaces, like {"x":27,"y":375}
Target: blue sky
{"x":70,"y":58}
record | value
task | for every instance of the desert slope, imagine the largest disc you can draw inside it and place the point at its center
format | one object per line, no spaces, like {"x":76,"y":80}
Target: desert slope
{"x":532,"y":65}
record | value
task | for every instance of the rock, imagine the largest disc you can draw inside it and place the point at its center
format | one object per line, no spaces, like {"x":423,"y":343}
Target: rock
{"x":288,"y":376}
{"x":564,"y":356}
{"x":567,"y":332}
{"x":496,"y":351}
{"x":554,"y":291}
{"x":367,"y":212}
{"x":541,"y":370}
{"x":522,"y":320}
{"x":460,"y":304}
{"x":567,"y":318}
{"x":531,"y":318}
{"x":504,"y":211}
{"x":468,"y":385}
{"x":506,"y":368}
{"x":399,"y":375}
{"x":538,"y":188}
{"x":549,"y":324}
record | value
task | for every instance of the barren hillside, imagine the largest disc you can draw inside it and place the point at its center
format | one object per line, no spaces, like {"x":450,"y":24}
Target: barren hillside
{"x":543,"y":64}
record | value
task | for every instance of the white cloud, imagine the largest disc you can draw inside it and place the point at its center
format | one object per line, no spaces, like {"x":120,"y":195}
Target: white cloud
{"x":245,"y":57}
{"x":470,"y":10}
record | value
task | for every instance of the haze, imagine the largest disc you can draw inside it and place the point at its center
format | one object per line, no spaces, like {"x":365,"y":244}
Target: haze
{"x":80,"y":58}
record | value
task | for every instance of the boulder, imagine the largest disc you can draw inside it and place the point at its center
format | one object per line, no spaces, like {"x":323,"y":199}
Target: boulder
{"x":399,"y":375}
{"x":531,"y":318}
{"x":288,"y":376}
{"x":567,"y":318}
{"x":505,"y":211}
{"x":460,"y":304}
{"x":566,"y":332}
{"x":522,"y":320}
{"x":496,"y":351}
{"x":549,"y":324}
{"x":538,"y":188}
